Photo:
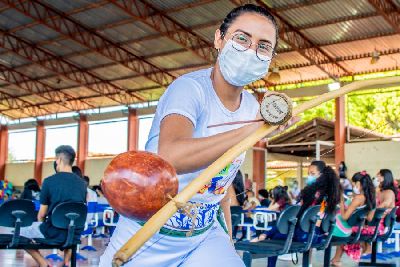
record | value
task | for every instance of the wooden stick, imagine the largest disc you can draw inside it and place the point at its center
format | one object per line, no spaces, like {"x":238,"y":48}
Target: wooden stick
{"x":161,"y":217}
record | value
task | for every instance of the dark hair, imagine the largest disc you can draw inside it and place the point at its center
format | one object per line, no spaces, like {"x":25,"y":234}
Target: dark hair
{"x":32,"y":184}
{"x":248,"y":8}
{"x":67,"y":154}
{"x":328,"y":188}
{"x":388,"y":181}
{"x":319,"y":164}
{"x":87,"y":179}
{"x":263,"y":193}
{"x":342,"y":170}
{"x":76,"y":170}
{"x":238,"y":186}
{"x":280,"y":196}
{"x":368,"y":188}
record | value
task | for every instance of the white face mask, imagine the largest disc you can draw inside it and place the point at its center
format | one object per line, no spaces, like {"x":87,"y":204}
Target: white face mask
{"x":375,"y":181}
{"x":356,"y":190}
{"x":240,"y":68}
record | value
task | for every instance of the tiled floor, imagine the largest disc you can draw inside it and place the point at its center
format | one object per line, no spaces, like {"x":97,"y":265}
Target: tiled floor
{"x":18,"y":258}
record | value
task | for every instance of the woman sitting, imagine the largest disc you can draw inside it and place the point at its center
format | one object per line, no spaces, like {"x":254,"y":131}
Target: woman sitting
{"x":386,"y":198}
{"x":280,"y":199}
{"x":323,"y":189}
{"x":363,"y":195}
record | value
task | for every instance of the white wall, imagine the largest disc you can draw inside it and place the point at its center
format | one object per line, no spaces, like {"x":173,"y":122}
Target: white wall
{"x":18,"y":173}
{"x":95,"y":167}
{"x":373,"y":156}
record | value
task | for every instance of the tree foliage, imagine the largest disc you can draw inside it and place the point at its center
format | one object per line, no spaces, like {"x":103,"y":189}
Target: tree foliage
{"x":379,"y":112}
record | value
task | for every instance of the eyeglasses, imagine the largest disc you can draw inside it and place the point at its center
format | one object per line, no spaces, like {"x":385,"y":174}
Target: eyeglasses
{"x":242,"y":42}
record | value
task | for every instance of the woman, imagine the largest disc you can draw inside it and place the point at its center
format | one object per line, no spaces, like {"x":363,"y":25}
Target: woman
{"x":280,"y":199}
{"x":364,"y":195}
{"x":31,"y":190}
{"x":246,"y":41}
{"x":323,"y":189}
{"x":386,"y":198}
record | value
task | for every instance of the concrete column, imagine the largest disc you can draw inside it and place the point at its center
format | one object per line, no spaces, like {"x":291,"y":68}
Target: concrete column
{"x":133,"y":130}
{"x":300,"y":174}
{"x":3,"y":150}
{"x":83,"y":138}
{"x":259,"y":165}
{"x":340,"y":132}
{"x":40,"y":150}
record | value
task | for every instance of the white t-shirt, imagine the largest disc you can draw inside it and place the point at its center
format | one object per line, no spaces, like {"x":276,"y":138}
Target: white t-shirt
{"x":193,"y":96}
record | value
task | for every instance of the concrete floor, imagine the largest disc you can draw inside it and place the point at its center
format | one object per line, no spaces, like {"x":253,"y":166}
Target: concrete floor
{"x":19,"y":258}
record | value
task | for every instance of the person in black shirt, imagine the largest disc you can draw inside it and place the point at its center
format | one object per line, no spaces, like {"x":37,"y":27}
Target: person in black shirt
{"x":31,"y":190}
{"x":64,"y":186}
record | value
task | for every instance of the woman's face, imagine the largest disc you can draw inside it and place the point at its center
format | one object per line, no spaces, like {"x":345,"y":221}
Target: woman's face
{"x":380,"y":177}
{"x":259,"y":28}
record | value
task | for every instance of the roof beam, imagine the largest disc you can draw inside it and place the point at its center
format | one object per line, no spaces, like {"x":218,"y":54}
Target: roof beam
{"x":284,"y":67}
{"x":168,"y":27}
{"x":17,"y":103}
{"x":393,"y":18}
{"x":62,"y":67}
{"x":85,"y":36}
{"x":299,"y":42}
{"x":299,"y":5}
{"x":175,"y":31}
{"x":38,"y":88}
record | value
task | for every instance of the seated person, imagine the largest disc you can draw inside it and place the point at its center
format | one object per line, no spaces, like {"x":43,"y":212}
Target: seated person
{"x":323,"y":189}
{"x":251,"y":201}
{"x":263,"y":196}
{"x":386,"y":198}
{"x":280,"y":201}
{"x":64,"y":186}
{"x":31,"y":190}
{"x":364,"y":195}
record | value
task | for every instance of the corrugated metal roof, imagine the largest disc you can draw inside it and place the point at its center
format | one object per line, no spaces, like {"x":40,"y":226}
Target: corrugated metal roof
{"x":11,"y":18}
{"x":364,"y":46}
{"x":326,"y":11}
{"x":98,"y":17}
{"x":348,"y":30}
{"x":201,"y":14}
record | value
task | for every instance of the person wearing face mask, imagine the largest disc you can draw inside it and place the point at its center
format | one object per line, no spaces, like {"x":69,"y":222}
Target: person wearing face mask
{"x":324,"y":190}
{"x":294,"y":192}
{"x":363,"y":196}
{"x":314,"y":171}
{"x":246,"y":42}
{"x":386,"y":198}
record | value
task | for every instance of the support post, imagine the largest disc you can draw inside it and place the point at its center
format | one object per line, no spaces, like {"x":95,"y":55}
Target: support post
{"x":3,"y":150}
{"x":133,"y":130}
{"x":83,"y":136}
{"x":340,"y":132}
{"x":300,"y":174}
{"x":40,"y":150}
{"x":317,"y":150}
{"x":259,"y":165}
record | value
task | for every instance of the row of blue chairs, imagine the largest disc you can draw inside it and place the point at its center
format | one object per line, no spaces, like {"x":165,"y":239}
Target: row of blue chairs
{"x":21,"y":213}
{"x":288,"y":221}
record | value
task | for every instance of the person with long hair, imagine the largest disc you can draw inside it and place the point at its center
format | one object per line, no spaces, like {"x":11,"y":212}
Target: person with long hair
{"x":323,"y":189}
{"x":246,"y":42}
{"x":31,"y":190}
{"x":363,"y":196}
{"x":386,"y":198}
{"x":280,"y":199}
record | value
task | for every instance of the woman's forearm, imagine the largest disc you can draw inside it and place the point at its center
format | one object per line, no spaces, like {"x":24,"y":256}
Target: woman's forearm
{"x":191,"y":154}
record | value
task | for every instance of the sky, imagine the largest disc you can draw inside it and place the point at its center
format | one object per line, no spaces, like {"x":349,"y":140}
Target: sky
{"x":108,"y":137}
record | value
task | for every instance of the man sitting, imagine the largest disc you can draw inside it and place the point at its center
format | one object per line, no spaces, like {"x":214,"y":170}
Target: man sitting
{"x":64,"y":186}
